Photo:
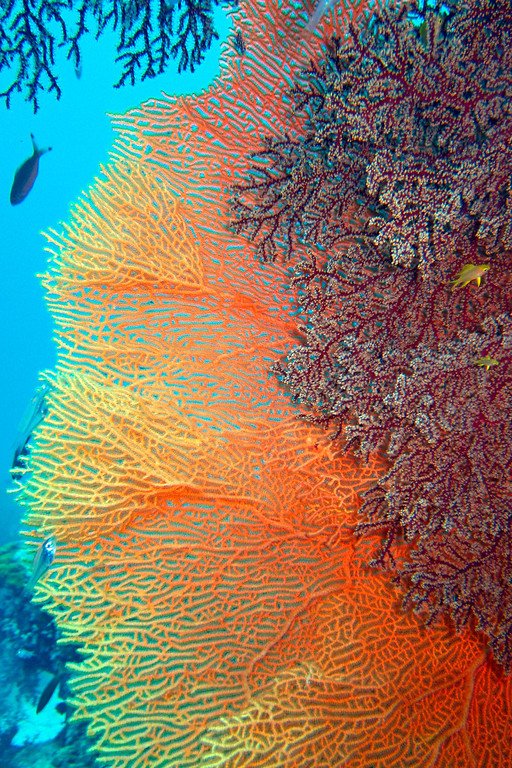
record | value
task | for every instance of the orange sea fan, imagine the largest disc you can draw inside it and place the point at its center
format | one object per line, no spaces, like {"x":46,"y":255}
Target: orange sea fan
{"x":184,"y":557}
{"x":206,"y":560}
{"x":205,"y":552}
{"x":372,"y":690}
{"x":128,"y":233}
{"x":201,"y":143}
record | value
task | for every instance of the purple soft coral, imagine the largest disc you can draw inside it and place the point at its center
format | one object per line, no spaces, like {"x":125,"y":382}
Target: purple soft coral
{"x":398,"y":178}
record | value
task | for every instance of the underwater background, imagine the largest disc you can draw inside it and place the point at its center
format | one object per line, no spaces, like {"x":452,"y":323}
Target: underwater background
{"x":78,"y":129}
{"x":213,"y":605}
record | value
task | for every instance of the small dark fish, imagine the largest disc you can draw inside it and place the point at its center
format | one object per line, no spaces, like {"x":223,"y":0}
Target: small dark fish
{"x":26,"y":175}
{"x":44,"y":557}
{"x":21,"y":453}
{"x":47,"y":693}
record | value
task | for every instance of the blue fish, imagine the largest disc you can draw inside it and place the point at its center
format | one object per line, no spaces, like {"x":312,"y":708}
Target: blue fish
{"x":26,"y":174}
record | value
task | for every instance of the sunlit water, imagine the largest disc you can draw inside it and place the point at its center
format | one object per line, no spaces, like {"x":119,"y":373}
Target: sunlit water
{"x":78,"y":129}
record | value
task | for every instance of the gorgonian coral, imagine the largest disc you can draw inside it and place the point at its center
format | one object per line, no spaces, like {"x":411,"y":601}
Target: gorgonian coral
{"x":206,"y":558}
{"x":395,"y":182}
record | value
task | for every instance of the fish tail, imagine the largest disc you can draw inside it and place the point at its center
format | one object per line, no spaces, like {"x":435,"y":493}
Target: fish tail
{"x":38,"y":151}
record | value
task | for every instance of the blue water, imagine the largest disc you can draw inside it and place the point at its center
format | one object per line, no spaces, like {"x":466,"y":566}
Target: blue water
{"x":78,"y":129}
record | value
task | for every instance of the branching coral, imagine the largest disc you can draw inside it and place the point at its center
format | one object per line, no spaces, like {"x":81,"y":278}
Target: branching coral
{"x":397,"y":178}
{"x":149,"y":35}
{"x":400,"y":121}
{"x":184,"y":557}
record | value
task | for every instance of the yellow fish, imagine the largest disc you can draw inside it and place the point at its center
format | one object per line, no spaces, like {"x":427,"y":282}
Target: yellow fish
{"x":486,"y":362}
{"x":468,"y":273}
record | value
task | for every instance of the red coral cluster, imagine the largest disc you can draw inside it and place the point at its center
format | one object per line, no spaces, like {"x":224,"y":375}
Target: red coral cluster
{"x":397,"y":178}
